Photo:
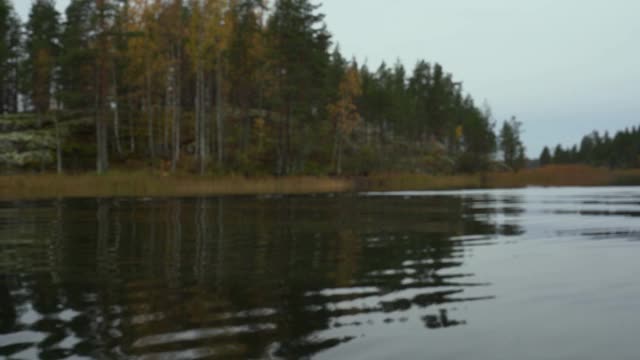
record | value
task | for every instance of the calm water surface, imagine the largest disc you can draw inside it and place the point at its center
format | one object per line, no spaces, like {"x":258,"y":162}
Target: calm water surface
{"x":508,"y":274}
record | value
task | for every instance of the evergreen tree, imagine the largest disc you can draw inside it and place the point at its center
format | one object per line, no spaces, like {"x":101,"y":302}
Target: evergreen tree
{"x":545,"y":157}
{"x":559,"y":155}
{"x":620,"y":151}
{"x":246,"y":71}
{"x":266,"y":75}
{"x":78,"y":58}
{"x":511,"y":145}
{"x":476,"y":136}
{"x":10,"y":28}
{"x":42,"y":31}
{"x":344,"y":113}
{"x":298,"y":49}
{"x":420,"y":90}
{"x":587,"y":146}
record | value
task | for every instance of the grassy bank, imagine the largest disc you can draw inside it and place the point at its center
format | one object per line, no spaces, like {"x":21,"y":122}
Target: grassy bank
{"x":555,"y":175}
{"x":13,"y":187}
{"x":41,"y":186}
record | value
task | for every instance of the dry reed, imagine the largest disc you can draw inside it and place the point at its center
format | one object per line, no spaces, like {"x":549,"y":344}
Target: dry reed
{"x":143,"y":184}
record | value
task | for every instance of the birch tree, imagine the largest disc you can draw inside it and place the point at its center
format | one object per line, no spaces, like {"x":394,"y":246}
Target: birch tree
{"x":208,"y":33}
{"x":146,"y":65}
{"x":344,"y":113}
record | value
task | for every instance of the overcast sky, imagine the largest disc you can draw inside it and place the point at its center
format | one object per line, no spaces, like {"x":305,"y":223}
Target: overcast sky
{"x":563,"y":67}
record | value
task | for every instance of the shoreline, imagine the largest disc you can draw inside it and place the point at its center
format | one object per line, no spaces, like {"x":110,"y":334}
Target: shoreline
{"x":548,"y":176}
{"x":149,"y":184}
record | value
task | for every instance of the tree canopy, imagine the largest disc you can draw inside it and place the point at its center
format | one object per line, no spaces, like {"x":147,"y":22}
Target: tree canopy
{"x":235,"y":86}
{"x":620,"y":151}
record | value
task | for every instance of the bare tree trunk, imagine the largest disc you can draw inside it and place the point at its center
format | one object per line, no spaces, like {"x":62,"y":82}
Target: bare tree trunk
{"x":246,"y":128}
{"x":201,"y":115}
{"x":197,"y":116}
{"x":102,"y":81}
{"x":132,"y":117}
{"x":339,"y":160}
{"x":96,"y":117}
{"x":202,"y":121}
{"x":105,"y":146}
{"x":132,"y":139}
{"x":58,"y":145}
{"x":167,"y":120}
{"x":287,"y":138}
{"x":149,"y":110}
{"x":116,"y":129}
{"x":102,"y":147}
{"x":203,"y":125}
{"x":334,"y":152}
{"x":116,"y":111}
{"x":207,"y":126}
{"x":101,"y":135}
{"x":219,"y":110}
{"x":280,"y":147}
{"x":176,"y":104}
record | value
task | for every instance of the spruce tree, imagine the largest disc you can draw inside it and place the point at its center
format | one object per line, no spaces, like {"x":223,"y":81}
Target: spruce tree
{"x":545,"y":157}
{"x":10,"y":28}
{"x":42,"y":31}
{"x":298,"y":49}
{"x":77,"y":56}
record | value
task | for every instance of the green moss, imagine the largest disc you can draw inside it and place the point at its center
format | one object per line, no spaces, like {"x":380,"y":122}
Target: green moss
{"x":26,"y":159}
{"x":27,"y":143}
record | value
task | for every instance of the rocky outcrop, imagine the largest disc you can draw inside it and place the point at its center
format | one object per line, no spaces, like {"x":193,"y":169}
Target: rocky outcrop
{"x":26,"y":142}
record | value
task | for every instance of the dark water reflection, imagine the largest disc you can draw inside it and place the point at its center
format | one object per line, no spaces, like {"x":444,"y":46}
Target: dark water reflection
{"x":283,"y":277}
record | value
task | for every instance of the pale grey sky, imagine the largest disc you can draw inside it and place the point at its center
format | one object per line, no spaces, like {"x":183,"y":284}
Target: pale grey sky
{"x":563,"y":67}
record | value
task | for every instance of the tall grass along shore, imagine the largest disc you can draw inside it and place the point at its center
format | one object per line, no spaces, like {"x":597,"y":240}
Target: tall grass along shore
{"x":118,"y":183}
{"x":15,"y":187}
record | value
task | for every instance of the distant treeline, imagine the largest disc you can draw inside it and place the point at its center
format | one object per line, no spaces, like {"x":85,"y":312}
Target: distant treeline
{"x":236,"y":86}
{"x":620,"y":151}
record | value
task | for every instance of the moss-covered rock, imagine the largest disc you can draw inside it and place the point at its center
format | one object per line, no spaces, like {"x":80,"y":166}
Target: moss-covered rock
{"x":27,"y":159}
{"x":26,"y":142}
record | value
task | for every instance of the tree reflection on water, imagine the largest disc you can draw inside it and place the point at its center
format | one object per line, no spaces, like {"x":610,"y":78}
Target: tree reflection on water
{"x":234,"y":277}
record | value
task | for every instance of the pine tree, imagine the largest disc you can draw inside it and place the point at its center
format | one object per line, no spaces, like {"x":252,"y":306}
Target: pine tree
{"x":420,"y":90}
{"x":298,"y":43}
{"x":10,"y":28}
{"x":246,"y":63}
{"x":545,"y":157}
{"x":42,"y":31}
{"x":266,"y":75}
{"x":476,"y":135}
{"x":77,"y":57}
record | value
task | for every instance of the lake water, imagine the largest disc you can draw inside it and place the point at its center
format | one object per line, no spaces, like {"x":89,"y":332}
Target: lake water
{"x":505,"y":274}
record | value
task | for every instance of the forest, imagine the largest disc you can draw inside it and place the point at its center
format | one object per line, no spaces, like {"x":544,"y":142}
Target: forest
{"x":620,"y":151}
{"x":226,"y":86}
